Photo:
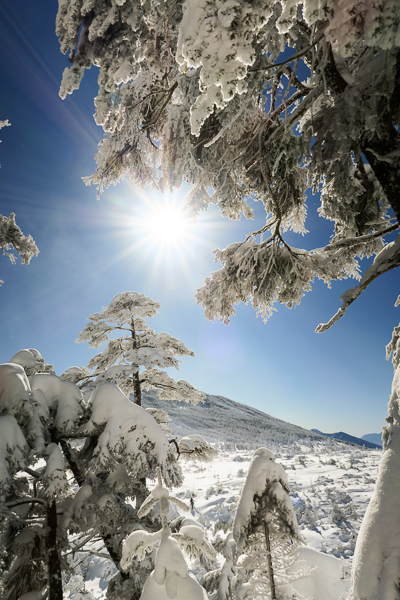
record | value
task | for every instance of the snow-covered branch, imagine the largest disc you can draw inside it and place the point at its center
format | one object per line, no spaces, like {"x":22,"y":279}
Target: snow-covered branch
{"x":386,"y":260}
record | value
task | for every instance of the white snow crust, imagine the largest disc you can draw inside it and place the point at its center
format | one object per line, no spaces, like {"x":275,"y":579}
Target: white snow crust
{"x":63,"y":397}
{"x":377,"y":556}
{"x":127,"y":425}
{"x":170,"y":578}
{"x":13,"y":448}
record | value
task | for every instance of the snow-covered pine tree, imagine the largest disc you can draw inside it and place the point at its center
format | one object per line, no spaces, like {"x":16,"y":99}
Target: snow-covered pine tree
{"x":135,"y":359}
{"x":169,"y":579}
{"x":107,"y":443}
{"x":31,"y":538}
{"x":264,"y":518}
{"x":254,"y":101}
{"x":12,"y":238}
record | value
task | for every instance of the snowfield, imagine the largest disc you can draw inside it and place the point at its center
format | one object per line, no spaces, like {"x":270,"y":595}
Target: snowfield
{"x":331,"y":483}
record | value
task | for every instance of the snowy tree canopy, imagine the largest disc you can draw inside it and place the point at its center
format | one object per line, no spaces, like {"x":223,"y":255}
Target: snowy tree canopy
{"x":136,"y":359}
{"x":256,"y":101}
{"x":12,"y":238}
{"x":71,"y":466}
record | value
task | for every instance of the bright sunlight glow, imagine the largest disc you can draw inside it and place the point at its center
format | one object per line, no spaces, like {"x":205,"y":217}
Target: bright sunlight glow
{"x":167,"y":225}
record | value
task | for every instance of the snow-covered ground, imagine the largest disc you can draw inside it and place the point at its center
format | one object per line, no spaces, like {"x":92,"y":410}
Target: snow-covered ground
{"x":331,"y":483}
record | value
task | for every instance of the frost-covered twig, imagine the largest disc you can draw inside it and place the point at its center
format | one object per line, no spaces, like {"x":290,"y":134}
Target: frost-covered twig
{"x":386,"y":260}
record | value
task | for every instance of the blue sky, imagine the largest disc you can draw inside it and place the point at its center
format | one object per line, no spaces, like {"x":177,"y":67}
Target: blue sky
{"x":91,"y":250}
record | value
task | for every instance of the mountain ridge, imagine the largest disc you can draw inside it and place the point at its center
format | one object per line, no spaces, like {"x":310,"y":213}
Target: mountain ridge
{"x":345,"y":437}
{"x":375,"y":438}
{"x":236,"y":425}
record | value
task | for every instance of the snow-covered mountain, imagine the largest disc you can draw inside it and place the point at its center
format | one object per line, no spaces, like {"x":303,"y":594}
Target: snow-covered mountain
{"x":345,"y":437}
{"x":375,"y":438}
{"x":237,"y":426}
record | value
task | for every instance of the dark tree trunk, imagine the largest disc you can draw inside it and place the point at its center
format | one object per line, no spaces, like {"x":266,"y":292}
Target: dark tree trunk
{"x":387,"y":173}
{"x":52,"y":554}
{"x":269,"y":559}
{"x":383,"y":143}
{"x":73,"y":465}
{"x":137,"y":391}
{"x":114,"y":552}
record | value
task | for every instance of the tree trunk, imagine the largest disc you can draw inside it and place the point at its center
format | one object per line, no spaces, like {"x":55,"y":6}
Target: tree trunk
{"x":73,"y":465}
{"x":137,"y":392}
{"x":53,"y":557}
{"x":387,"y":172}
{"x":269,"y":559}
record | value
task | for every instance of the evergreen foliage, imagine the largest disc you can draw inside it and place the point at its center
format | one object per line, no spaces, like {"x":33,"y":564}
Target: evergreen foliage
{"x":139,"y":348}
{"x":74,"y":460}
{"x":267,"y":102}
{"x":265,"y":529}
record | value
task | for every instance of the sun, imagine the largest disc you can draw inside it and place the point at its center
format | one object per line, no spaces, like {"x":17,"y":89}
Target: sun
{"x":167,"y":225}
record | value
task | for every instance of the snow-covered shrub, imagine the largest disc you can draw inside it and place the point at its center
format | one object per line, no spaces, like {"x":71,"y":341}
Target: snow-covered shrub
{"x":32,"y":362}
{"x":170,"y":578}
{"x":194,"y":447}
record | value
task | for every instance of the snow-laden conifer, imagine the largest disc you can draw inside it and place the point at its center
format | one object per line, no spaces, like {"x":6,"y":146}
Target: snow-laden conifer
{"x":265,"y":529}
{"x":30,"y":536}
{"x":202,"y":93}
{"x":74,"y":463}
{"x":136,"y":358}
{"x":94,"y":454}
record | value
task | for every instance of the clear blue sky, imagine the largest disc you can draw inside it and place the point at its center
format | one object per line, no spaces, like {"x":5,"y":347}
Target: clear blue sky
{"x":91,"y":250}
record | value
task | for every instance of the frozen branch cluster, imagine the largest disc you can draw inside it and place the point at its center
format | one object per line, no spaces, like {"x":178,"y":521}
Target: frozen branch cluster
{"x":265,"y":101}
{"x":170,"y":578}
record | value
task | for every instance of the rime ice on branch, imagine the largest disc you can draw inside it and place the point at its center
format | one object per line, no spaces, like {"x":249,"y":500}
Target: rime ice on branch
{"x":202,"y":93}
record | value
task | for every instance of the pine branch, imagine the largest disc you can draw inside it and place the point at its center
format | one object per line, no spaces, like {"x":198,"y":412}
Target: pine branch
{"x":380,"y":266}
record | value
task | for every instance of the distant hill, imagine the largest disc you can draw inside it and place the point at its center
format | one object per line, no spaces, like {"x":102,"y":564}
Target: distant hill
{"x":375,"y":438}
{"x":220,"y":420}
{"x":345,"y":437}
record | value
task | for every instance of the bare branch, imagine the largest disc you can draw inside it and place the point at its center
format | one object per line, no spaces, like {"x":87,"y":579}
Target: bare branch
{"x":25,"y":501}
{"x":362,"y":238}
